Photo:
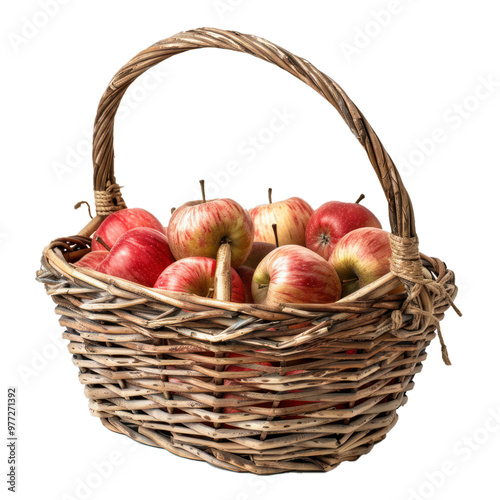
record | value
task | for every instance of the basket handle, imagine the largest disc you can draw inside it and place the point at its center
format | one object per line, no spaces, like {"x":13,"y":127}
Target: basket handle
{"x":107,"y":192}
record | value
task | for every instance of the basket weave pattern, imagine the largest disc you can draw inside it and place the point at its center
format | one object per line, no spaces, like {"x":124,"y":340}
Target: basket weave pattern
{"x":323,"y":382}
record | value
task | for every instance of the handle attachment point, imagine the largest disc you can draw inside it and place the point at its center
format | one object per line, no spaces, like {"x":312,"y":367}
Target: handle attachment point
{"x":110,"y":200}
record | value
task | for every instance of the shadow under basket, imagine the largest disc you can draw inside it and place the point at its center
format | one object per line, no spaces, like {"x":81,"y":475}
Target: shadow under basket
{"x":300,"y":387}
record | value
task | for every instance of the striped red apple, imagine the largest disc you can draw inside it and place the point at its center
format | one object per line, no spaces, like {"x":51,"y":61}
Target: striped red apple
{"x":198,"y":228}
{"x":361,"y":257}
{"x":92,"y":259}
{"x":139,"y":255}
{"x":196,"y":275}
{"x":333,"y":220}
{"x":118,"y":223}
{"x":291,"y":217}
{"x":292,"y":273}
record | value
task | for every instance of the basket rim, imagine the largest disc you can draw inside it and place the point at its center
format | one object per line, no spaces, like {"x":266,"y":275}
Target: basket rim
{"x":54,"y":258}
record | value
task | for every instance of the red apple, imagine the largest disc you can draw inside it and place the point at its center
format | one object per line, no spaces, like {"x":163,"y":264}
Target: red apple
{"x":196,"y":275}
{"x":246,"y":275}
{"x":139,"y":255}
{"x":291,"y":217}
{"x":198,"y":228}
{"x":92,"y":259}
{"x":334,"y":219}
{"x":295,"y":274}
{"x":362,"y":256}
{"x":122,"y":221}
{"x":259,"y":250}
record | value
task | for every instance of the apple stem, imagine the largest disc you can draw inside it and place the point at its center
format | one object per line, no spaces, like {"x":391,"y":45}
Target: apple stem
{"x":275,"y":231}
{"x":172,"y":210}
{"x":270,"y":195}
{"x":361,"y":197}
{"x":202,"y":184}
{"x":103,"y":243}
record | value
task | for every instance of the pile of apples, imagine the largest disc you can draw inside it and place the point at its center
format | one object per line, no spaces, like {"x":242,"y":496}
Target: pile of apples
{"x":283,"y":252}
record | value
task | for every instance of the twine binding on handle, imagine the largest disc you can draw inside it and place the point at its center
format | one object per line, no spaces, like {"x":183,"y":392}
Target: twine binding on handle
{"x":407,"y":265}
{"x":109,"y":201}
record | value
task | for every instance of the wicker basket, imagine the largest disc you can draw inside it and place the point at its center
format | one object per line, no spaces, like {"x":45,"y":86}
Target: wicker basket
{"x":325,"y":380}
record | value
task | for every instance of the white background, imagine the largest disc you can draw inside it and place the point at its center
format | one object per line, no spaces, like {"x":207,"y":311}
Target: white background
{"x":411,"y":66}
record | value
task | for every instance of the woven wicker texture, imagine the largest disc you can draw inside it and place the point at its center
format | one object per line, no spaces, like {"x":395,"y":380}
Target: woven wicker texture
{"x":247,"y":387}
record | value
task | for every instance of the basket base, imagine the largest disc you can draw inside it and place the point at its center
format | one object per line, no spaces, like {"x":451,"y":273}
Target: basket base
{"x":360,"y":443}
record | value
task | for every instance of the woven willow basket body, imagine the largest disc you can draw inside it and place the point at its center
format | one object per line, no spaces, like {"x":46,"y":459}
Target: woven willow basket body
{"x":155,"y":364}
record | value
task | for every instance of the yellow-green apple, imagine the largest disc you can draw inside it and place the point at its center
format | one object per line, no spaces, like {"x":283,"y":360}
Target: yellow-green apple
{"x":246,"y":275}
{"x":259,"y":250}
{"x":291,"y":217}
{"x":334,"y":219}
{"x":198,"y":228}
{"x":122,"y":221}
{"x":139,"y":255}
{"x":361,"y":257}
{"x":295,"y":274}
{"x":196,"y":275}
{"x":92,"y":259}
